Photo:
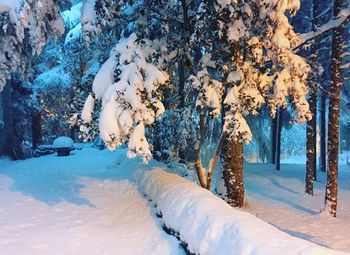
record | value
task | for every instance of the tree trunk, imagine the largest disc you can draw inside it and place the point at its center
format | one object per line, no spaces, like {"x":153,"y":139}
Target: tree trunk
{"x":323,"y":136}
{"x":7,"y":141}
{"x":311,"y":139}
{"x":36,"y":130}
{"x":273,"y":139}
{"x":232,"y":163}
{"x":333,"y":119}
{"x":278,"y":138}
{"x":311,"y":145}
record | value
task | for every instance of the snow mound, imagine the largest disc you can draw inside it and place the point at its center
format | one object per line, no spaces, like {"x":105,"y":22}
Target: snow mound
{"x":63,"y":142}
{"x":210,"y":226}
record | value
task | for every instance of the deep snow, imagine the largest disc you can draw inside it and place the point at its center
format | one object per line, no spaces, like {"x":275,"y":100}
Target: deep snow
{"x":278,"y":197}
{"x":88,"y":203}
{"x":211,"y":227}
{"x":82,"y":204}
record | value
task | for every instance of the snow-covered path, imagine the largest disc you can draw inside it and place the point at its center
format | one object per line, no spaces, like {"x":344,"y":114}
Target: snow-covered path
{"x":52,"y":205}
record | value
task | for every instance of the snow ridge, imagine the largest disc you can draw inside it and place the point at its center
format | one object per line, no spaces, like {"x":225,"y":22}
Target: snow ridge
{"x":210,"y":226}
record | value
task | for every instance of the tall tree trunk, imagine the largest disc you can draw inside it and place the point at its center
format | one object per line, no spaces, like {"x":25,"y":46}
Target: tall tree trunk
{"x":273,"y":139}
{"x":183,"y":63}
{"x":311,"y":145}
{"x":323,"y":136}
{"x":232,"y":163}
{"x":7,"y":133}
{"x":278,"y":138}
{"x":333,"y":119}
{"x":311,"y":140}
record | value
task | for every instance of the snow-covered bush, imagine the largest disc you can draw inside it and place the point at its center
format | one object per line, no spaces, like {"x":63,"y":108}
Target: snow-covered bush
{"x":51,"y":98}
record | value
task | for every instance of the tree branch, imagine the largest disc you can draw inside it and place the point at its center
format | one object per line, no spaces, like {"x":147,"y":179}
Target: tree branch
{"x":198,"y":161}
{"x":214,"y":160}
{"x":343,"y":17}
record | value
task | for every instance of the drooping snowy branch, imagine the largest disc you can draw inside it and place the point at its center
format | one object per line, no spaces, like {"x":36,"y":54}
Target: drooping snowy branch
{"x":343,"y":17}
{"x":128,"y":84}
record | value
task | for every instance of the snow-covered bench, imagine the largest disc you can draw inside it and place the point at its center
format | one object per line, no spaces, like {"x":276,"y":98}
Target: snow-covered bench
{"x":210,"y":226}
{"x":63,"y":145}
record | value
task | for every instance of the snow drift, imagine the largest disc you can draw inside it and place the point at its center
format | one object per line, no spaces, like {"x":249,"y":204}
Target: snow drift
{"x":210,"y":226}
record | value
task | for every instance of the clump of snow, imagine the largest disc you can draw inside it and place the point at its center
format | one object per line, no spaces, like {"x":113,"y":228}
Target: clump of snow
{"x":72,"y":17}
{"x":104,"y":77}
{"x":73,"y":35}
{"x":53,"y":77}
{"x":63,"y":142}
{"x":210,"y":226}
{"x":88,"y":19}
{"x":86,"y":114}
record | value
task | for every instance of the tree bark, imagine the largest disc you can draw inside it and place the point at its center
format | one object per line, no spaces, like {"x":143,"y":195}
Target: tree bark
{"x":311,"y":140}
{"x":278,"y":139}
{"x":333,"y":119}
{"x":198,"y":161}
{"x":36,"y":130}
{"x":273,"y":139}
{"x":311,"y":146}
{"x":7,"y":133}
{"x":323,"y":136}
{"x":232,"y":163}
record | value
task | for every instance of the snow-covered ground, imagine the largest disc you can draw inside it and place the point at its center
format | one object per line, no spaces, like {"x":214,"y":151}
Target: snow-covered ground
{"x":278,"y":197}
{"x":82,"y":204}
{"x":90,"y":203}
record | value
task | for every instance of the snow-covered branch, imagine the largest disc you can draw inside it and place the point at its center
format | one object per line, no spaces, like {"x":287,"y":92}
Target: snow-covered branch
{"x":128,"y":85}
{"x":343,"y":17}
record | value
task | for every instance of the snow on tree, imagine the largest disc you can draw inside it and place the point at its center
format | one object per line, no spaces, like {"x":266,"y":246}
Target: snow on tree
{"x":128,"y":84}
{"x":25,"y":27}
{"x":249,"y":62}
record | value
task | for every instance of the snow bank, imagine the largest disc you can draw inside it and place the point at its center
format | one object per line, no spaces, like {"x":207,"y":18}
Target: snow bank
{"x":210,"y":226}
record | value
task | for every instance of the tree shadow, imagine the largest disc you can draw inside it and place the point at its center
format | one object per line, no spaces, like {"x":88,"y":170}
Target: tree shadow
{"x":51,"y":179}
{"x":301,"y":235}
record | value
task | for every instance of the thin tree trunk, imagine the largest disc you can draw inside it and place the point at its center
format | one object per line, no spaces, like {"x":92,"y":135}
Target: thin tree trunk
{"x":323,"y":137}
{"x":278,"y":139}
{"x":198,"y":161}
{"x":181,"y":94}
{"x":232,"y":163}
{"x":333,"y":123}
{"x":311,"y":146}
{"x":205,"y":176}
{"x":181,"y":67}
{"x":311,"y":153}
{"x":273,"y":138}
